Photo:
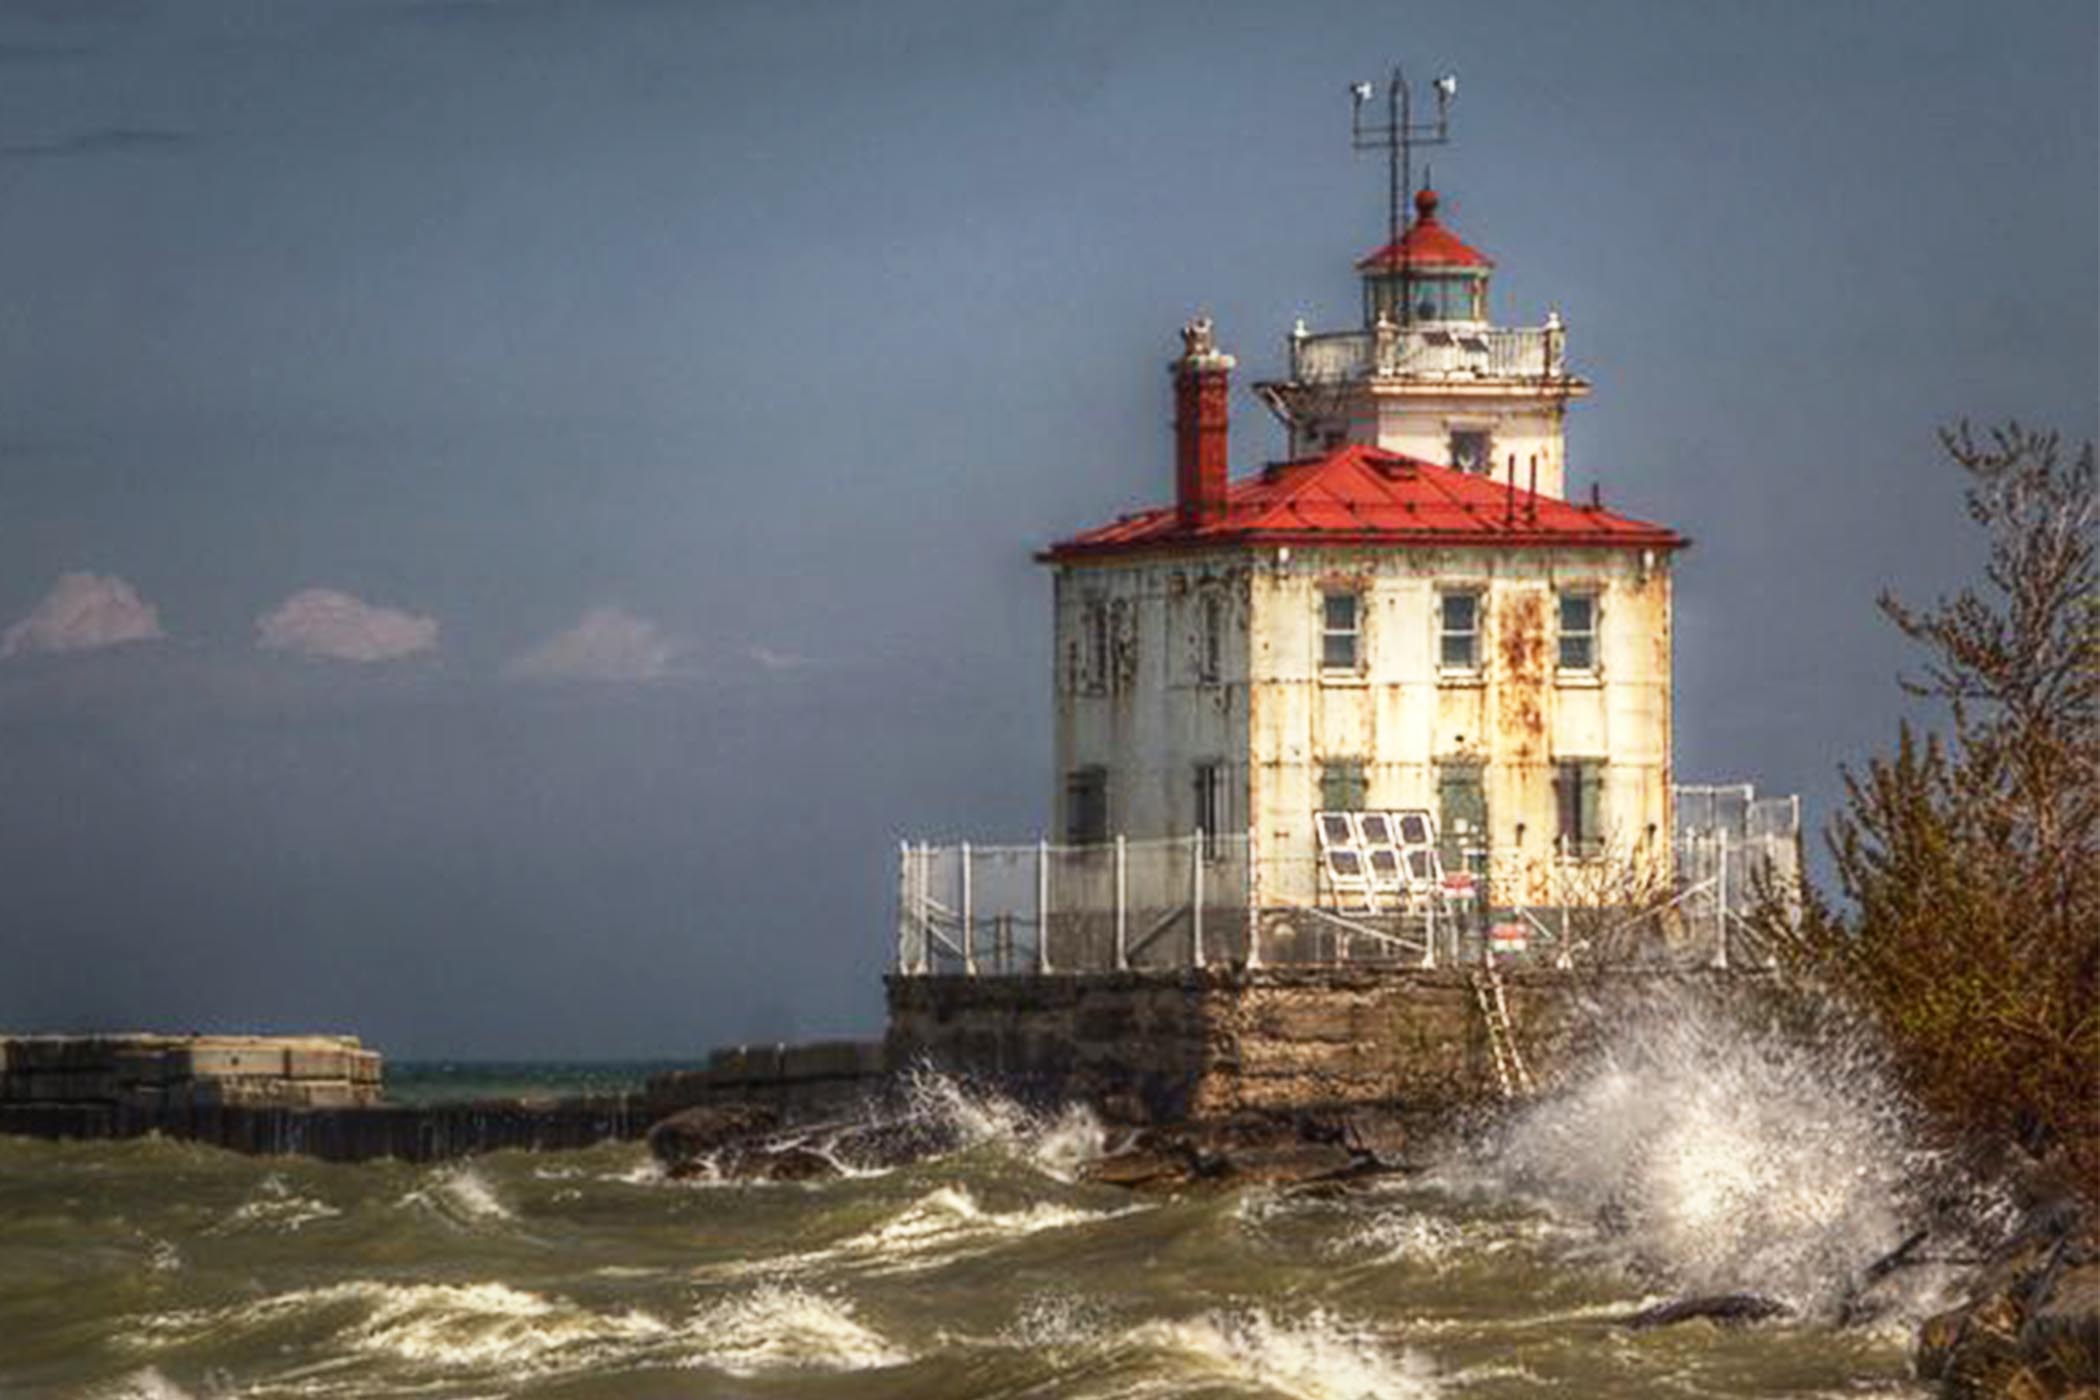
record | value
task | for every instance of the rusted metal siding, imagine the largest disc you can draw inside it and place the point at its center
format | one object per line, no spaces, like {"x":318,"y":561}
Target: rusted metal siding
{"x":1515,"y":714}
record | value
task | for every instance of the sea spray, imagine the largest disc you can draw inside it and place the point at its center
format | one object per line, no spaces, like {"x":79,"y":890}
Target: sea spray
{"x":1715,"y":1152}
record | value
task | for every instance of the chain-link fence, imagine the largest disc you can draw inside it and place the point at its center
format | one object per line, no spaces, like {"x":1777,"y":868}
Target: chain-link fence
{"x":1189,"y":901}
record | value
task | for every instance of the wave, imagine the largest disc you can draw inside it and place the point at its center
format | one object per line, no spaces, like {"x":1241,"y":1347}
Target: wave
{"x":776,"y":1327}
{"x":1318,"y":1357}
{"x":1721,"y":1155}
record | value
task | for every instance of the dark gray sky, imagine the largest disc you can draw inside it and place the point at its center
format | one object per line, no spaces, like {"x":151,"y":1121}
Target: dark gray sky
{"x":547,"y":488}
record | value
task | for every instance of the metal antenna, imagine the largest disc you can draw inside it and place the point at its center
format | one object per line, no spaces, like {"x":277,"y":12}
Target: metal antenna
{"x":1397,"y":137}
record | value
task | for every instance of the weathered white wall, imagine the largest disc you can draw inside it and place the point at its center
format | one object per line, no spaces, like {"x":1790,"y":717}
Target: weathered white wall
{"x":1276,"y":716}
{"x":1152,"y":719}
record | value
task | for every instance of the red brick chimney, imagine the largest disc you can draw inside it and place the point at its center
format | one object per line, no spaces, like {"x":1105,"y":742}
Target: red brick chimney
{"x":1202,"y":383}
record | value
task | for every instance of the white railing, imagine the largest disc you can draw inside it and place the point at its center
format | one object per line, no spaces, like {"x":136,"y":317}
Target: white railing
{"x":1191,"y":901}
{"x":1450,"y":352}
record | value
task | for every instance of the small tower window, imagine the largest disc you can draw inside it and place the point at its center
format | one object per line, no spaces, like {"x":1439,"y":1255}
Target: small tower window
{"x":1341,"y":632}
{"x":1473,"y":450}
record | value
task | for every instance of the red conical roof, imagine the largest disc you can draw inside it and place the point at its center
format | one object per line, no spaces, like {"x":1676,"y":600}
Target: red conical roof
{"x":1427,"y":243}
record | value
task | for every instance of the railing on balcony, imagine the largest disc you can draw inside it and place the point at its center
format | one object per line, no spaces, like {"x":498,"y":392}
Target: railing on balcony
{"x":1431,"y":352}
{"x":1193,"y":901}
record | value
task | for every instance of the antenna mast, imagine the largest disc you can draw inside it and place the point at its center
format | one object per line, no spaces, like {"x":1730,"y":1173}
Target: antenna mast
{"x":1397,"y":137}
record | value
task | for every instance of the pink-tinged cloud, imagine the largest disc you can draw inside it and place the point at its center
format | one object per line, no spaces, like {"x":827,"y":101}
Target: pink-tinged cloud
{"x":607,"y":644}
{"x":327,"y":623}
{"x":82,"y":612}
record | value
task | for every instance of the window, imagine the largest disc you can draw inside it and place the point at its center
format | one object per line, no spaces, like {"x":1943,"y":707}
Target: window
{"x":1578,"y":631}
{"x":1211,"y":813}
{"x":1578,"y":795}
{"x":1086,"y":806}
{"x":1458,"y":621}
{"x":1342,"y":785}
{"x":1461,"y":819}
{"x":1473,"y":450}
{"x":1093,"y":654}
{"x":1340,"y":631}
{"x":1210,"y":661}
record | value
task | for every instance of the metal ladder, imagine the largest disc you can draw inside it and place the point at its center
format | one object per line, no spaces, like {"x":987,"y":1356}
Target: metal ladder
{"x":1510,"y":1070}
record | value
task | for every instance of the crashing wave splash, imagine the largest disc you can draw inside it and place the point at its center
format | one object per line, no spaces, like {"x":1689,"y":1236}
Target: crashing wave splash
{"x":1717,"y":1155}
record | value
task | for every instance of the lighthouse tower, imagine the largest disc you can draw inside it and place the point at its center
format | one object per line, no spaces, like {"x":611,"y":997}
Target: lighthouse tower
{"x":1427,"y":375}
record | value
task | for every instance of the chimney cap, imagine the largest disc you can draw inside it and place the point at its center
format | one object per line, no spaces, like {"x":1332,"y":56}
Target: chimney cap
{"x":1199,"y":348}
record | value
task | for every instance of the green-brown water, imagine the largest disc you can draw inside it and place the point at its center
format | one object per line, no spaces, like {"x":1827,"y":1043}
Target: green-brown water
{"x":167,"y":1270}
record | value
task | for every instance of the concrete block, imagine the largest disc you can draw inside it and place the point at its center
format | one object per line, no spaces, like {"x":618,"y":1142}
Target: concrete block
{"x":228,"y":1059}
{"x":831,"y":1059}
{"x":305,"y":1061}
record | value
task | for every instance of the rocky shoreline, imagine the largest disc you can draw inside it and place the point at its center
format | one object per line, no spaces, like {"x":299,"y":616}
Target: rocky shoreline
{"x":2028,"y":1326}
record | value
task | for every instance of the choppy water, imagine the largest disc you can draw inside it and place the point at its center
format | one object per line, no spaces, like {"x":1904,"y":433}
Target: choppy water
{"x":157,"y":1269}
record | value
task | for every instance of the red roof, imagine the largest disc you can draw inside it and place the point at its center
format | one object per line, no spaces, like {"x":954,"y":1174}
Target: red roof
{"x":1358,"y":495}
{"x":1427,"y":243}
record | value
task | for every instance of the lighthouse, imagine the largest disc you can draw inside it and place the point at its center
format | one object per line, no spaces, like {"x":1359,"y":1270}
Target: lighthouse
{"x":1403,"y":612}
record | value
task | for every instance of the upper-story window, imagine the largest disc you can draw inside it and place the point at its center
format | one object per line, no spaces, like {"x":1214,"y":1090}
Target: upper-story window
{"x":1341,"y":630}
{"x":1473,"y":450}
{"x":1210,"y":654}
{"x":1578,"y":631}
{"x":1093,"y":646}
{"x":1458,"y":631}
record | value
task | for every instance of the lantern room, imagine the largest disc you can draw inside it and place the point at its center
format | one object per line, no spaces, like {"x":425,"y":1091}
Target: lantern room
{"x":1427,"y":275}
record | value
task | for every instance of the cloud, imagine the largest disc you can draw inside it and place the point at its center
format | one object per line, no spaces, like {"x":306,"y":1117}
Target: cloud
{"x":607,"y":644}
{"x":325,"y":622}
{"x":771,"y":660}
{"x":84,"y":611}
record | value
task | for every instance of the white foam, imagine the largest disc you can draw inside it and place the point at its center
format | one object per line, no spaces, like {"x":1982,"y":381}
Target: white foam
{"x":780,"y":1328}
{"x":1318,"y":1357}
{"x":148,"y":1384}
{"x":1056,"y":1145}
{"x":459,"y":1195}
{"x":275,"y":1206}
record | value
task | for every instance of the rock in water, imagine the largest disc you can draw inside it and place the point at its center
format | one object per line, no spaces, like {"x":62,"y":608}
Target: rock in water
{"x":689,"y":1142}
{"x":1733,"y":1309}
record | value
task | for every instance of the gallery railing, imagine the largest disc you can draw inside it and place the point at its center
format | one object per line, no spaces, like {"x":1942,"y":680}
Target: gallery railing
{"x":1197,"y":900}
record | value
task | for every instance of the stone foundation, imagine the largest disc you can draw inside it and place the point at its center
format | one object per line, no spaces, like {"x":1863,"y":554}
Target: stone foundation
{"x":148,"y":1073}
{"x":1171,"y":1046}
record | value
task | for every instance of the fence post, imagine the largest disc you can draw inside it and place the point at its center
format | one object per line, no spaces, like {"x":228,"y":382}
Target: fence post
{"x":969,"y":949}
{"x":1429,"y":925}
{"x":1122,"y":904}
{"x":1253,"y":909}
{"x":1042,"y":906}
{"x":1196,"y":898}
{"x":1721,"y":903}
{"x":904,"y":909}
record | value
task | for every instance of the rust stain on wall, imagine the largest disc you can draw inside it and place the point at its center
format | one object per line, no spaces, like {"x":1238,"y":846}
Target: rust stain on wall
{"x":1520,"y":649}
